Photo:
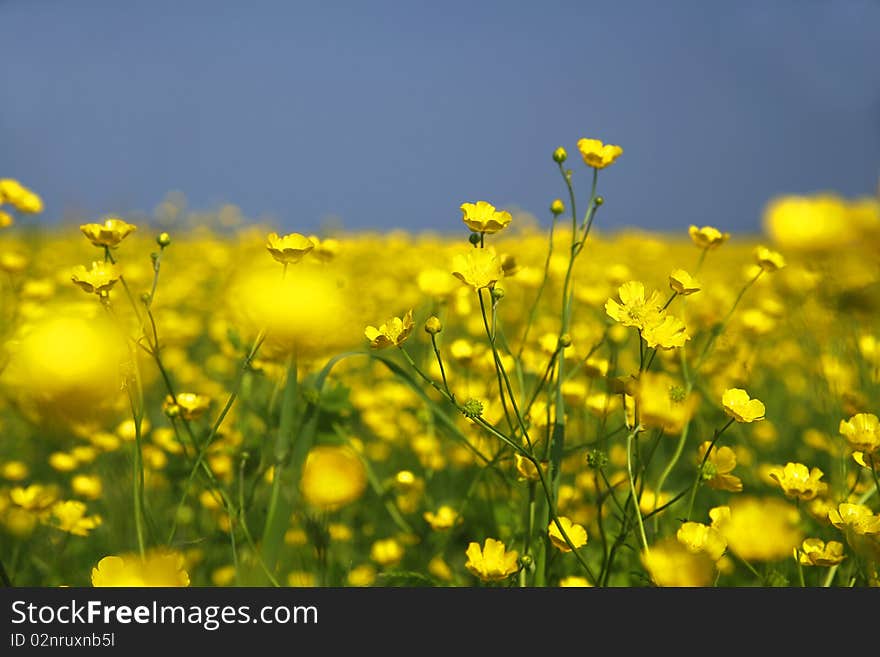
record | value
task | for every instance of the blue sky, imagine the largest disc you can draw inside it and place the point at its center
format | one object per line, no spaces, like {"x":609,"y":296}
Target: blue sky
{"x":391,"y":114}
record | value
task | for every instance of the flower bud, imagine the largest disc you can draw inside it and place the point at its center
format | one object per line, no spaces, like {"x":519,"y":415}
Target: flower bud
{"x":557,"y":207}
{"x":433,"y":325}
{"x":564,"y":340}
{"x":163,"y":240}
{"x":474,"y":238}
{"x":600,"y":200}
{"x":559,"y":155}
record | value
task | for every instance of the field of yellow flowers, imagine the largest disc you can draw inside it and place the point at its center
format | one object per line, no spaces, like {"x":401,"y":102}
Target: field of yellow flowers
{"x":516,"y":402}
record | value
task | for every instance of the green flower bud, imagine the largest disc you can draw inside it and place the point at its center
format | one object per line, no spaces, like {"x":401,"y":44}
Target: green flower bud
{"x":557,"y":207}
{"x":559,"y":155}
{"x":433,"y":325}
{"x":163,"y":240}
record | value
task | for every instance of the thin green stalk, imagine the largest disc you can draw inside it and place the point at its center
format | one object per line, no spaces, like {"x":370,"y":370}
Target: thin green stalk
{"x":632,"y":488}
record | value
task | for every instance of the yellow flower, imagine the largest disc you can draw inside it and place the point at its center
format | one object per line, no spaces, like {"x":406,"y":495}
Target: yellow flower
{"x":759,"y":529}
{"x":716,"y":470}
{"x":387,"y":552}
{"x":768,"y":260}
{"x":598,"y":155}
{"x":35,"y":497}
{"x":697,"y":537}
{"x":634,"y":309}
{"x":70,"y":516}
{"x":707,"y":237}
{"x":6,"y":219}
{"x":576,"y":534}
{"x":290,"y":249}
{"x":862,"y":432}
{"x":492,"y":562}
{"x":683,"y":283}
{"x":445,"y":518}
{"x":332,"y":477}
{"x":740,"y":407}
{"x":815,"y":552}
{"x":798,"y":482}
{"x":856,"y":518}
{"x":527,"y":470}
{"x":99,"y":280}
{"x":108,"y":234}
{"x":189,"y":406}
{"x":23,"y":199}
{"x":392,"y":333}
{"x":158,"y":568}
{"x":14,"y":471}
{"x":363,"y":575}
{"x":574,"y":581}
{"x":478,"y":268}
{"x":482,"y":217}
{"x":325,"y":250}
{"x":666,"y":332}
{"x":663,"y":403}
{"x":88,"y":486}
{"x":669,"y":563}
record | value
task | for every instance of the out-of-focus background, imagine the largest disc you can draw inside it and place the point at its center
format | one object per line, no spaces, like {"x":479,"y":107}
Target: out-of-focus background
{"x":390,"y":114}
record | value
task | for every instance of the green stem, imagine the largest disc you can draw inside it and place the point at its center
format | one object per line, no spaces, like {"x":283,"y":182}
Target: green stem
{"x":702,"y":464}
{"x":632,"y":488}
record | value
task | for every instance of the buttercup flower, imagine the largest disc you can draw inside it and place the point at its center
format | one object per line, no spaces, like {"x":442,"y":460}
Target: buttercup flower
{"x":667,"y":333}
{"x":482,"y":217}
{"x":768,"y":260}
{"x":576,"y":534}
{"x":108,"y":234}
{"x":598,"y":155}
{"x":387,"y":552}
{"x":707,"y":237}
{"x":663,"y":402}
{"x":862,"y":432}
{"x":683,"y":283}
{"x":740,"y":407}
{"x":392,"y":333}
{"x":493,"y":562}
{"x":290,"y":249}
{"x":634,"y":309}
{"x":759,"y":529}
{"x":717,"y":469}
{"x":815,"y":552}
{"x":478,"y":268}
{"x":157,"y":568}
{"x":799,"y":482}
{"x":99,"y":279}
{"x":856,"y":518}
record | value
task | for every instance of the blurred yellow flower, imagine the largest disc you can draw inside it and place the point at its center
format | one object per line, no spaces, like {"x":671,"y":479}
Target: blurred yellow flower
{"x":444,"y":518}
{"x":36,"y":497}
{"x":740,"y":407}
{"x":363,"y":575}
{"x":99,"y":279}
{"x":669,"y":563}
{"x":576,"y":534}
{"x":697,"y":537}
{"x":190,"y":406}
{"x":108,"y":234}
{"x":477,"y":268}
{"x":332,"y":477}
{"x":70,"y":516}
{"x":387,"y":552}
{"x":482,"y":217}
{"x":683,"y":283}
{"x":799,"y":482}
{"x":6,"y":219}
{"x":493,"y":562}
{"x":158,"y":568}
{"x":862,"y":432}
{"x":759,"y":529}
{"x":574,"y":581}
{"x":707,"y":237}
{"x":663,"y":402}
{"x":393,"y":333}
{"x":290,"y":249}
{"x":815,"y":552}
{"x":597,"y":154}
{"x":768,"y":260}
